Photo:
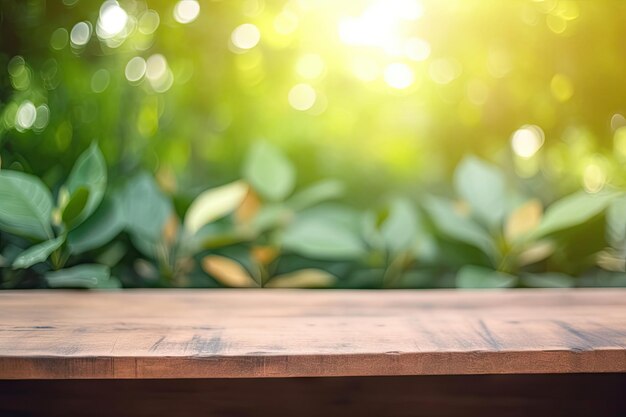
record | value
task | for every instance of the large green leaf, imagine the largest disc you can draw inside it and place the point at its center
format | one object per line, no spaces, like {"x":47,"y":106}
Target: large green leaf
{"x":336,"y":214}
{"x":38,"y":253}
{"x":102,"y":226}
{"x":399,"y":229}
{"x":145,"y":208}
{"x":600,"y":278}
{"x":471,"y":276}
{"x":213,"y":204}
{"x":25,"y":205}
{"x":319,"y":239}
{"x":73,"y":211}
{"x":573,"y":210}
{"x":269,"y":172}
{"x":462,"y":229}
{"x":89,"y":172}
{"x":148,"y":246}
{"x":365,"y":278}
{"x":316,"y":193}
{"x":370,"y":230}
{"x":271,"y":216}
{"x":483,"y":186}
{"x":82,"y":276}
{"x":616,"y":222}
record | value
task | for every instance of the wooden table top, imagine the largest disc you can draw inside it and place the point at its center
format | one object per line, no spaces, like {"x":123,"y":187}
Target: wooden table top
{"x":296,"y":333}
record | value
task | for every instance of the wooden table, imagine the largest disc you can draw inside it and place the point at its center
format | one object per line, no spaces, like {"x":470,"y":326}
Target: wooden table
{"x":406,"y":352}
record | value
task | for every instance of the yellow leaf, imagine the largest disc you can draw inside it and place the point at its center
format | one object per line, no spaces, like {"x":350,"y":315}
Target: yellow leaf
{"x":263,"y":254}
{"x":227,"y":271}
{"x":248,"y":208}
{"x":462,"y":208}
{"x":611,"y":260}
{"x":213,"y":204}
{"x":166,"y":179}
{"x":523,"y":220}
{"x":304,"y":278}
{"x":170,"y":230}
{"x":536,"y":253}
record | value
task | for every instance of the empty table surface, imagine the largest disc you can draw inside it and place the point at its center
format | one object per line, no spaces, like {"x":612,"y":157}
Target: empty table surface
{"x":296,"y":333}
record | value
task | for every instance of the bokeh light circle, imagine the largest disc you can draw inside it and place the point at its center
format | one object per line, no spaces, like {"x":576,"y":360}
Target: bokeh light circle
{"x":302,"y":96}
{"x":399,"y":76}
{"x":186,"y":11}
{"x":246,"y":36}
{"x":527,"y":140}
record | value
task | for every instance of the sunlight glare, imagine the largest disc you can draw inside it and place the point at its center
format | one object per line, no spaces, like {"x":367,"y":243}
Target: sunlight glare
{"x":379,"y":25}
{"x":26,"y":115}
{"x":527,"y":140}
{"x":135,"y":69}
{"x":594,"y":177}
{"x":399,"y":76}
{"x":310,"y":66}
{"x":302,"y":97}
{"x":80,"y":34}
{"x":245,"y":36}
{"x":112,"y":20}
{"x":186,"y":11}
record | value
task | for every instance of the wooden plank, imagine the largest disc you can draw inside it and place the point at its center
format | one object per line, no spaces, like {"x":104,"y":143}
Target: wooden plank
{"x":291,"y":333}
{"x":567,"y":395}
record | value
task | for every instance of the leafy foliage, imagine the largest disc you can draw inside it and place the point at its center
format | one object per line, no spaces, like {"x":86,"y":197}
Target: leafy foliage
{"x":367,"y":177}
{"x":27,"y":209}
{"x":26,"y":205}
{"x":269,"y":172}
{"x":231,"y":236}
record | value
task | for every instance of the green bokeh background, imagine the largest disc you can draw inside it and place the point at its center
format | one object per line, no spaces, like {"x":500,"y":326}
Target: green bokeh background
{"x":388,"y":143}
{"x":504,"y":57}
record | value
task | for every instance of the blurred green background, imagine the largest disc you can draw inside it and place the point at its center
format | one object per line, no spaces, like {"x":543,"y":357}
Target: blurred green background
{"x":386,"y":96}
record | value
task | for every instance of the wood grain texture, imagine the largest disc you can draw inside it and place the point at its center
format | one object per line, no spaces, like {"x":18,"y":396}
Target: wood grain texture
{"x":290,"y":333}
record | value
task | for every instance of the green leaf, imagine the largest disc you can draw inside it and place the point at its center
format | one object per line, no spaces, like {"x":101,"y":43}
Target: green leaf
{"x":37,"y":253}
{"x":417,"y":279}
{"x":370,"y":230}
{"x":459,"y":228}
{"x":148,"y":246}
{"x":25,"y":205}
{"x":102,"y":226}
{"x":316,"y":238}
{"x":269,"y":172}
{"x":89,"y":172}
{"x":82,"y":276}
{"x":471,"y":276}
{"x":616,"y":222}
{"x":573,"y":210}
{"x":599,"y":278}
{"x":399,"y":230}
{"x":212,"y":236}
{"x":365,"y":278}
{"x":338,"y":215}
{"x":548,"y":280}
{"x":317,"y":193}
{"x":483,"y":186}
{"x":110,"y":284}
{"x":213,"y":204}
{"x":75,"y":207}
{"x":145,"y":208}
{"x":271,"y":216}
